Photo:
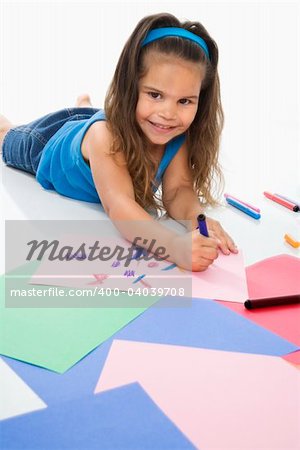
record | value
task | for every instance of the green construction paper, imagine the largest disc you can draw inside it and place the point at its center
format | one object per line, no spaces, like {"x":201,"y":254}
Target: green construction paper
{"x":57,"y":338}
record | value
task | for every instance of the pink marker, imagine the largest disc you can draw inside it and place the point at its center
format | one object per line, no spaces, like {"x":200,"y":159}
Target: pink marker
{"x":243,"y":203}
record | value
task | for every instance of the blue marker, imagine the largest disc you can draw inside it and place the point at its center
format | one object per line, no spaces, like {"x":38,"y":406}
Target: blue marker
{"x":139,"y":278}
{"x":202,"y":225}
{"x":172,"y":266}
{"x":243,"y":208}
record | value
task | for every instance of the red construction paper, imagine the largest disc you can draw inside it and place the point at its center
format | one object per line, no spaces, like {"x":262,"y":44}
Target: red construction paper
{"x":275,"y":276}
{"x":293,"y":358}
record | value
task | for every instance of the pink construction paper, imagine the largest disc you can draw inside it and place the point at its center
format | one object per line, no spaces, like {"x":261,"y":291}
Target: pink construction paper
{"x":225,"y":279}
{"x":219,"y":400}
{"x":85,"y":273}
{"x":275,"y":276}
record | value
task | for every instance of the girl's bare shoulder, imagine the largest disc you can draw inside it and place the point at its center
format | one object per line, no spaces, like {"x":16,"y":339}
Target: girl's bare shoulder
{"x":98,"y":139}
{"x":111,"y":177}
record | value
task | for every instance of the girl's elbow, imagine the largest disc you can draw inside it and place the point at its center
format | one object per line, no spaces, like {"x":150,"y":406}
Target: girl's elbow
{"x":118,"y":207}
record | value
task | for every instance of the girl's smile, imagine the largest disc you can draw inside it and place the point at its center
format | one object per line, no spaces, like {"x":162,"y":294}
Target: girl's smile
{"x":168,"y":96}
{"x":160,"y":128}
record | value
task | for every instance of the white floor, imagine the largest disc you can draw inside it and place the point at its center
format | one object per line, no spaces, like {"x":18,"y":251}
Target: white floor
{"x":24,"y":199}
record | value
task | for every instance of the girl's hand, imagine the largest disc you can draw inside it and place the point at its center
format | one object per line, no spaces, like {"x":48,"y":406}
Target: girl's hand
{"x":225,"y":243}
{"x":193,"y":251}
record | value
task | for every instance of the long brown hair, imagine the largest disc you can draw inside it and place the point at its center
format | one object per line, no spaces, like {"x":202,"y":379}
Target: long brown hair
{"x":203,"y":135}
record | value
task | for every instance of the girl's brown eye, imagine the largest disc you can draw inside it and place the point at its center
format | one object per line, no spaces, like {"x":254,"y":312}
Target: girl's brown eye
{"x":185,"y":101}
{"x":154,"y":94}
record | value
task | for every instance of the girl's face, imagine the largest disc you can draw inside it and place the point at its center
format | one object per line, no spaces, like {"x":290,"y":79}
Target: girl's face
{"x":168,"y":96}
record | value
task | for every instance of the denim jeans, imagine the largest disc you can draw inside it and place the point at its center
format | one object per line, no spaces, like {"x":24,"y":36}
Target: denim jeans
{"x":23,"y":145}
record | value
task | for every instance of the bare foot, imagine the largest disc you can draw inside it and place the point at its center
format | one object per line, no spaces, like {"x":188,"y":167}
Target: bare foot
{"x":83,"y":100}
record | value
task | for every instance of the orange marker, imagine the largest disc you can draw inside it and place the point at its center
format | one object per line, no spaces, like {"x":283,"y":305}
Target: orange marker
{"x":291,"y":241}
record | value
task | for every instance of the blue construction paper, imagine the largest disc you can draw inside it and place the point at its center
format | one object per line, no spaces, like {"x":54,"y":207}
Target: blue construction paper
{"x":122,"y":418}
{"x":203,"y":323}
{"x":52,"y":387}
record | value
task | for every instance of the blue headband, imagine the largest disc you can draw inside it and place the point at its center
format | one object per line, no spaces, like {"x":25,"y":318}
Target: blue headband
{"x":159,"y":33}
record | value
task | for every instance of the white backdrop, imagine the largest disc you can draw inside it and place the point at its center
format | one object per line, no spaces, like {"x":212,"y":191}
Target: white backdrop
{"x":52,"y":51}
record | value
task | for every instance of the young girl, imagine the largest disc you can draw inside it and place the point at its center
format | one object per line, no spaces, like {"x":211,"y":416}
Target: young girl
{"x":161,"y":123}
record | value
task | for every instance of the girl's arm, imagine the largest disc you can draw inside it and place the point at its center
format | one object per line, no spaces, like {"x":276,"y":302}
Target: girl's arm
{"x":182,"y":202}
{"x":115,"y":189}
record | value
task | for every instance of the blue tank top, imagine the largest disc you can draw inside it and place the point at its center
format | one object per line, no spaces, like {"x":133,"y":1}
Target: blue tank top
{"x":63,"y":169}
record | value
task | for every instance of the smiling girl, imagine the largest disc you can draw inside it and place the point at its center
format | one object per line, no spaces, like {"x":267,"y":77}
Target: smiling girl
{"x":161,"y":125}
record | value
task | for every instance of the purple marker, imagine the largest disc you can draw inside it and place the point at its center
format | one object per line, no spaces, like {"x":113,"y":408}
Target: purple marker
{"x":202,"y":225}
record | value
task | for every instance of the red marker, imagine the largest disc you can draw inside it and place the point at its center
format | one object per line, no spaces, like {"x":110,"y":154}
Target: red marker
{"x":282,"y":201}
{"x":288,"y":199}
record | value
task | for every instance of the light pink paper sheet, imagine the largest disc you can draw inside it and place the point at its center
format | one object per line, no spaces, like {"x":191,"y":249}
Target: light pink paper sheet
{"x":225,"y":279}
{"x":83,"y":273}
{"x":219,"y":400}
